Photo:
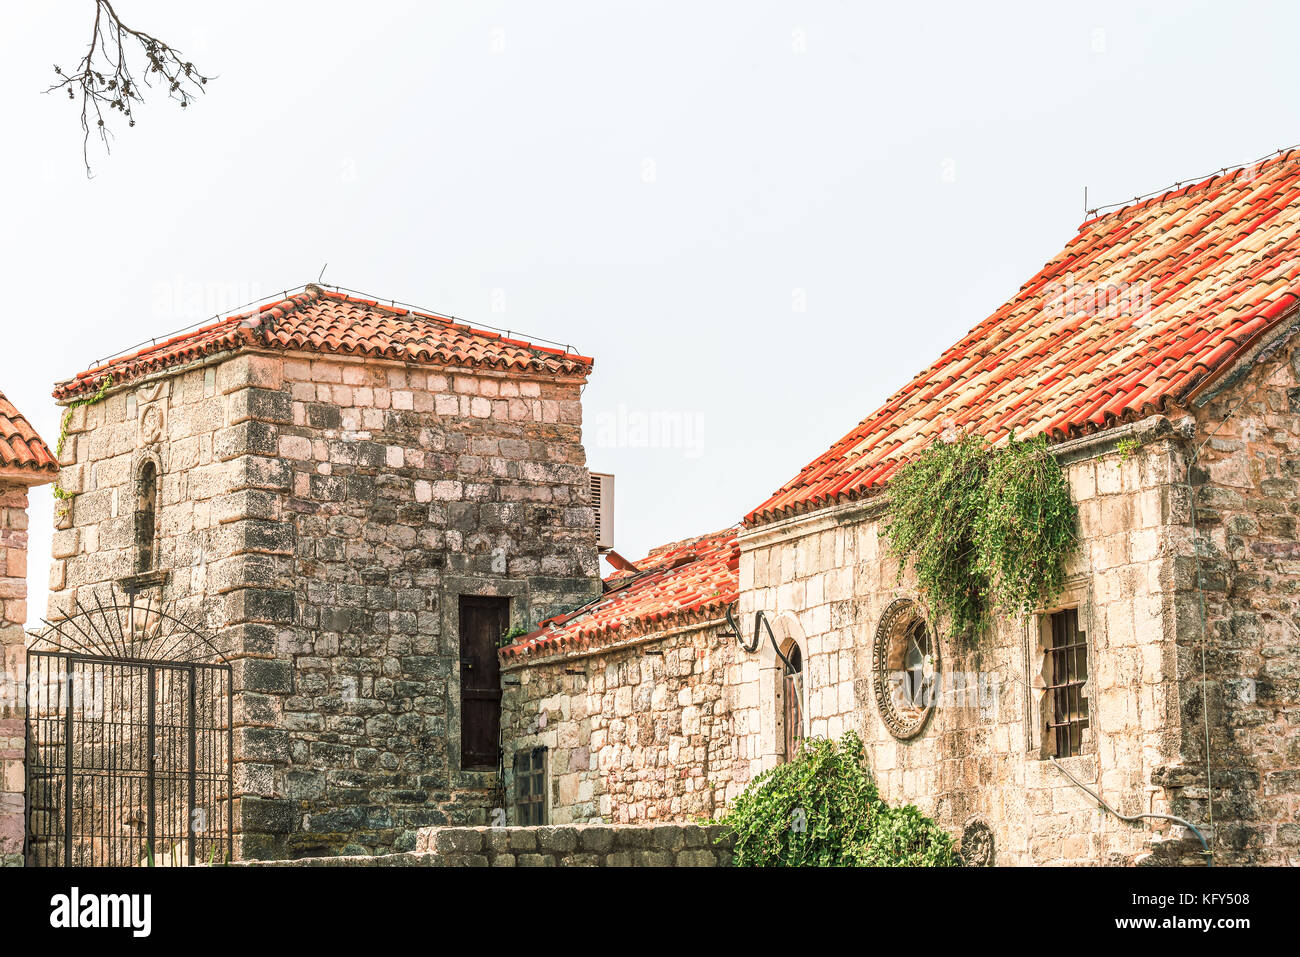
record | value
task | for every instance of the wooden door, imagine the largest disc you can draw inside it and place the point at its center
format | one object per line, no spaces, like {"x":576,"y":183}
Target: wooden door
{"x":483,"y":621}
{"x":791,"y":698}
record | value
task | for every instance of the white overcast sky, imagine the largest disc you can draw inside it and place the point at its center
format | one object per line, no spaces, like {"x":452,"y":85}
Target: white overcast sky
{"x":760,"y":218}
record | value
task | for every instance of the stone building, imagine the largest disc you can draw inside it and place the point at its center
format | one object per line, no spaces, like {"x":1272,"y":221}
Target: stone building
{"x":362,"y":504}
{"x":356,"y":502}
{"x":617,"y":711}
{"x":25,"y":460}
{"x":1158,"y":353}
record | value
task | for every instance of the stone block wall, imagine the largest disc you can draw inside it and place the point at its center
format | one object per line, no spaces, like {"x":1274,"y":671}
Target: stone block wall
{"x":1238,"y":570}
{"x":177,"y":422}
{"x":583,"y":845}
{"x":321,"y":516}
{"x":826,"y":579}
{"x":637,"y":733}
{"x":13,"y":615}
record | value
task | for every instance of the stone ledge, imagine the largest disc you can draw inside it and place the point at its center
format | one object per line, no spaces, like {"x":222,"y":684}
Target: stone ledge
{"x":577,"y":845}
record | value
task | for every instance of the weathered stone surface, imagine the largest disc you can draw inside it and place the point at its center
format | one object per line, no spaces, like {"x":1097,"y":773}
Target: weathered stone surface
{"x":636,"y":735}
{"x":583,"y":845}
{"x":13,"y":616}
{"x":320,"y":518}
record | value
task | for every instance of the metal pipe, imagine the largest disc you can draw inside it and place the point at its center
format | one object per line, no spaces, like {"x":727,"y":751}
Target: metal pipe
{"x":760,"y":620}
{"x":1131,"y":818}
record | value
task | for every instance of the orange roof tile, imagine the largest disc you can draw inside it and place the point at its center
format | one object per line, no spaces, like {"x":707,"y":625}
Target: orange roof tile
{"x":20,"y":446}
{"x":688,"y":581}
{"x":1145,"y":305}
{"x":322,"y":320}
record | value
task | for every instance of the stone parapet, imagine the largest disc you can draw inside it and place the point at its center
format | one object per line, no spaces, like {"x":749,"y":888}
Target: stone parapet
{"x":580,"y":845}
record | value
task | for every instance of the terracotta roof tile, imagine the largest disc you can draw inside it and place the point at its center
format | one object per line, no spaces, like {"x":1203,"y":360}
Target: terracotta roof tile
{"x":20,"y":446}
{"x":1201,"y":273}
{"x":322,"y":320}
{"x":692,"y":580}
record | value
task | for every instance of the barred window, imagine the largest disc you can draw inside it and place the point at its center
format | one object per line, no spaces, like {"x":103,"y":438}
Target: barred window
{"x":530,"y":786}
{"x":1066,"y":672}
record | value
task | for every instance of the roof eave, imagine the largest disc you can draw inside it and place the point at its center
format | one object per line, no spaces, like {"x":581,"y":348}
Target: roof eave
{"x":27,"y":475}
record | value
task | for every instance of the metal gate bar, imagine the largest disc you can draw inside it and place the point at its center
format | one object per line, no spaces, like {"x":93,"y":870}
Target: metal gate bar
{"x":129,"y":761}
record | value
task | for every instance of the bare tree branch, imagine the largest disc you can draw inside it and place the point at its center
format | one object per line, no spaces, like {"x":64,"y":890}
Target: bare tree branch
{"x":107,"y":82}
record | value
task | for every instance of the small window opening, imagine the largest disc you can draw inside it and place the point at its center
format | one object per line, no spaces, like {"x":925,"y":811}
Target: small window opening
{"x":1066,"y":673}
{"x":530,"y":787}
{"x":146,"y":517}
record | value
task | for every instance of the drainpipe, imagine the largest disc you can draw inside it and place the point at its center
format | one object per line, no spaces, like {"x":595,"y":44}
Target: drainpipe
{"x":1132,"y":818}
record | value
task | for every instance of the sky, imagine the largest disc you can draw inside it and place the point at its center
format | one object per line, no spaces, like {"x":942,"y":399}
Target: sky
{"x":760,"y":218}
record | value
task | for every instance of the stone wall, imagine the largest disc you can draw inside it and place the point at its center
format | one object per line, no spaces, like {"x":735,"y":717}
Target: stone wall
{"x":826,"y":579}
{"x":637,"y":733}
{"x":584,"y":845}
{"x":321,"y":516}
{"x":1239,"y":567}
{"x":13,"y":615}
{"x":182,"y":423}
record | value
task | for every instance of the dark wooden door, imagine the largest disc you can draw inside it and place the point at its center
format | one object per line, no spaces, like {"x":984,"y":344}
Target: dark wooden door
{"x":482,"y":623}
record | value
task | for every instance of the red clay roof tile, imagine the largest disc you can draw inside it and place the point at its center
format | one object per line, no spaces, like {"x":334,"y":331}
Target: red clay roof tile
{"x":688,"y":581}
{"x":1202,"y":272}
{"x":20,"y":446}
{"x":322,"y":320}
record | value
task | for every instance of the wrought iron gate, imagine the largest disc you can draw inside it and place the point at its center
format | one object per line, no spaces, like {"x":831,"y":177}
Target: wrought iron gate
{"x":129,"y":734}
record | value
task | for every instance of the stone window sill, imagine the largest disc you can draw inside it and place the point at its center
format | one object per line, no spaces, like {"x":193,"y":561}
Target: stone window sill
{"x":133,"y":584}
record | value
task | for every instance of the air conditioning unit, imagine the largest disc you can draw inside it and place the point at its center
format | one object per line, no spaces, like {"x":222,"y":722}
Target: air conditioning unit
{"x":602,"y":501}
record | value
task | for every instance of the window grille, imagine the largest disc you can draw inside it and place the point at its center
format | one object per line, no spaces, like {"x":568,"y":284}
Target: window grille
{"x":1067,"y":676}
{"x":530,"y":787}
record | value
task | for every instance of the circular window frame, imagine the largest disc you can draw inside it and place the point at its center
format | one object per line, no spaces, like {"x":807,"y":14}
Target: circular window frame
{"x":900,"y":616}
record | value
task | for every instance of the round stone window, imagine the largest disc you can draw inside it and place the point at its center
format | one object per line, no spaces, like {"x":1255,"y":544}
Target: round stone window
{"x":906,"y":669}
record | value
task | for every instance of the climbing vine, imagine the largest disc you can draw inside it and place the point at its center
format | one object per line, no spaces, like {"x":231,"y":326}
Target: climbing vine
{"x":987,"y":530}
{"x":60,"y":493}
{"x":510,"y":634}
{"x":822,"y":809}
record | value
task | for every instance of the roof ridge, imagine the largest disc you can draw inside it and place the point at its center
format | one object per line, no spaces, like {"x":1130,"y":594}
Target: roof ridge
{"x":660,"y":550}
{"x":356,"y":325}
{"x":1188,"y":187}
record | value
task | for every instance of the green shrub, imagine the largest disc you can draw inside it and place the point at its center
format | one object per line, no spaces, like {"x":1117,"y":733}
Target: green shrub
{"x":904,"y":837}
{"x":822,"y":809}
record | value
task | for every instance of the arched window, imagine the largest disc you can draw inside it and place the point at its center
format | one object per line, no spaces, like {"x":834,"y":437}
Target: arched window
{"x":146,"y":516}
{"x":791,"y":699}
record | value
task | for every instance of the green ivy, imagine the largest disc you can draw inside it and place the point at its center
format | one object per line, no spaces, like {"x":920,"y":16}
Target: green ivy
{"x":822,"y":809}
{"x":76,"y":404}
{"x":60,"y":493}
{"x":985,"y":529}
{"x":510,"y":635}
{"x":935,"y":502}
